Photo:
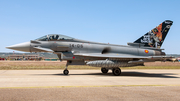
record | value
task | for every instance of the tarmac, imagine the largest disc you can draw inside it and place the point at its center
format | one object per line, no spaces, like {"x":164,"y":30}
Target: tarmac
{"x":147,"y":84}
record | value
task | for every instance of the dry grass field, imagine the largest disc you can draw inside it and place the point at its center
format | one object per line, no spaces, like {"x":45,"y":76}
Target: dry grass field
{"x":19,"y":65}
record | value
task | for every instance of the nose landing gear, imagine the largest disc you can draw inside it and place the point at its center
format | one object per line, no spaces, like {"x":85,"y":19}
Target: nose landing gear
{"x":66,"y":71}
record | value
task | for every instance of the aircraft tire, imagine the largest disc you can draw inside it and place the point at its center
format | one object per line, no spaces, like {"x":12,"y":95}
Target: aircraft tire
{"x":66,"y":72}
{"x":104,"y":70}
{"x":116,"y":71}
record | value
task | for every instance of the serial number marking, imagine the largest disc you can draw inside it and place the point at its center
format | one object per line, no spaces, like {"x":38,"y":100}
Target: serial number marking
{"x":76,"y":45}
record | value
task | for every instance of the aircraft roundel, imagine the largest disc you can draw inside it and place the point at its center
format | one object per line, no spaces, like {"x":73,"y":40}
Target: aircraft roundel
{"x":146,"y":51}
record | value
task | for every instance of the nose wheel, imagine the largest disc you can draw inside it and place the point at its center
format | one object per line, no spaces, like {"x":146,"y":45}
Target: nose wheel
{"x":66,"y":72}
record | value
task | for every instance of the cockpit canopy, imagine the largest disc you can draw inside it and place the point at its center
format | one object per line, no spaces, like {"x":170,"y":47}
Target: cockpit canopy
{"x":54,"y":37}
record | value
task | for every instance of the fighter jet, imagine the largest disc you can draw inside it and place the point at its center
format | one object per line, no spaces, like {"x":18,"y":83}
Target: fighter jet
{"x":106,"y":56}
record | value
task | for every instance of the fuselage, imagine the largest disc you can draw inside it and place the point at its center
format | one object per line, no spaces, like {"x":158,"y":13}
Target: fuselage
{"x":66,"y":48}
{"x":93,"y":47}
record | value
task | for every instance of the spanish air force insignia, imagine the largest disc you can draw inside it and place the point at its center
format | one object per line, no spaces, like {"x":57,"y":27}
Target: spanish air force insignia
{"x":146,"y":51}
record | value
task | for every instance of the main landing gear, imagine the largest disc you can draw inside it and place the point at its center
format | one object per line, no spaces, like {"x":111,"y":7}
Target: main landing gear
{"x":104,"y":70}
{"x":116,"y":71}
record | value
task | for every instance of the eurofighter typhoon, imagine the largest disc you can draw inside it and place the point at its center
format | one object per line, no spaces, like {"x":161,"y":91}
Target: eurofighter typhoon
{"x":106,"y":56}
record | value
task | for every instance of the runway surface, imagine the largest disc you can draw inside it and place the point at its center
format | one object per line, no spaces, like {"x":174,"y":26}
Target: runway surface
{"x":55,"y":78}
{"x":138,"y":93}
{"x":89,"y":85}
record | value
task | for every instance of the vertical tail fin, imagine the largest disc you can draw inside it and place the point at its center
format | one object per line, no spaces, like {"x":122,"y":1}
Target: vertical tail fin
{"x":156,"y":36}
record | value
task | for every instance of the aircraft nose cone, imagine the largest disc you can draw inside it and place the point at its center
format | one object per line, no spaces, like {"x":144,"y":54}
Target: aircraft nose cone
{"x":21,"y":47}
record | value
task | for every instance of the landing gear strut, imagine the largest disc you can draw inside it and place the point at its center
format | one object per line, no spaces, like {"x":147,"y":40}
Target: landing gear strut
{"x":104,"y":70}
{"x":116,"y":71}
{"x":66,"y":71}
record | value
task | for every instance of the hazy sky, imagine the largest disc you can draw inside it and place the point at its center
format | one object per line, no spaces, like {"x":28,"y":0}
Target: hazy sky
{"x":107,"y":21}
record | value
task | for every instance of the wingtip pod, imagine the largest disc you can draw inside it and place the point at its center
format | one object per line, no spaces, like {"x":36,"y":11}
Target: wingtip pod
{"x":156,"y":36}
